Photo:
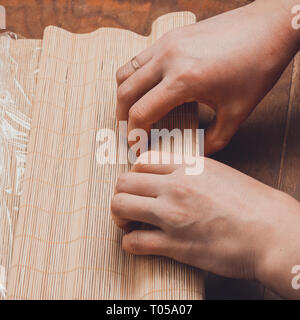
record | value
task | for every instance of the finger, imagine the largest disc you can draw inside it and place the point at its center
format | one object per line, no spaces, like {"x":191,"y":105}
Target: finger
{"x":127,"y":69}
{"x":141,"y":184}
{"x":220,"y":132}
{"x":126,"y":208}
{"x":151,"y":162}
{"x":154,"y":105}
{"x":135,"y":86}
{"x":145,"y":242}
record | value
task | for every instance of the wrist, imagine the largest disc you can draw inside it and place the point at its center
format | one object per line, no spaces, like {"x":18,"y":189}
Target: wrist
{"x":280,"y":17}
{"x":280,"y":251}
{"x":291,"y":8}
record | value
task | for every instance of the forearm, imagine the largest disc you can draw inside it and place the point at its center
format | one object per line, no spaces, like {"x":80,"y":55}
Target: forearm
{"x":278,"y":269}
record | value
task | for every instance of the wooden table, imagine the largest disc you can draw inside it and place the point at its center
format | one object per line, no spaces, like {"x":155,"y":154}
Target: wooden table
{"x":267,"y":147}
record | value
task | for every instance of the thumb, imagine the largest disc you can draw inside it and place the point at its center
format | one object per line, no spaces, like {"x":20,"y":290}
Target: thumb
{"x":220,"y":132}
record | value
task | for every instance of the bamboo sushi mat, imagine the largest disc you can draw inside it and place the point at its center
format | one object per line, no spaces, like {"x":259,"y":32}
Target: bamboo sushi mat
{"x":63,"y":242}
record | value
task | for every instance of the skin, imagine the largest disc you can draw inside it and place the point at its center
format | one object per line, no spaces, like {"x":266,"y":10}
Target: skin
{"x":209,"y":221}
{"x":212,"y":62}
{"x":221,"y":221}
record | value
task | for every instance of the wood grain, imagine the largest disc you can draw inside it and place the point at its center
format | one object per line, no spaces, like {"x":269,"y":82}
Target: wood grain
{"x":290,"y":168}
{"x":30,"y":17}
{"x":267,"y":145}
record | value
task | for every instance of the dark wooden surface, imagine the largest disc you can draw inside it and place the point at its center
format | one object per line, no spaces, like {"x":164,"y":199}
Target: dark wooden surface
{"x":30,"y":17}
{"x":267,"y":147}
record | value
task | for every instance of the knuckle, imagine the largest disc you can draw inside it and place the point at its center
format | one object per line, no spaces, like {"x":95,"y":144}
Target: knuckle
{"x":136,"y":114}
{"x":179,"y":190}
{"x":120,"y":75}
{"x":134,"y":242}
{"x":171,"y":45}
{"x":171,"y":49}
{"x":220,"y":144}
{"x":182,"y":82}
{"x":187,"y":73}
{"x":177,"y":219}
{"x":137,"y":243}
{"x":121,"y":183}
{"x":114,"y":205}
{"x":238,"y":112}
{"x":123,"y":92}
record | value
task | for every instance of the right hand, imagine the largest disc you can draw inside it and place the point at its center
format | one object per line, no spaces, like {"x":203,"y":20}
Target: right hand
{"x":228,"y":62}
{"x":209,"y":221}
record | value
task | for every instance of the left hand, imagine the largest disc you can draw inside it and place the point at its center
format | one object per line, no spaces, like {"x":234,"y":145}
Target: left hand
{"x":221,"y":221}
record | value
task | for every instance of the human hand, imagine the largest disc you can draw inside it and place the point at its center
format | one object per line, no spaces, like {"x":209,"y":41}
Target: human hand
{"x":221,"y":221}
{"x":228,"y":62}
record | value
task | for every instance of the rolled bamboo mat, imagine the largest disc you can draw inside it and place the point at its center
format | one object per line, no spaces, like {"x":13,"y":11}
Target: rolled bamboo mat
{"x":65,"y":244}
